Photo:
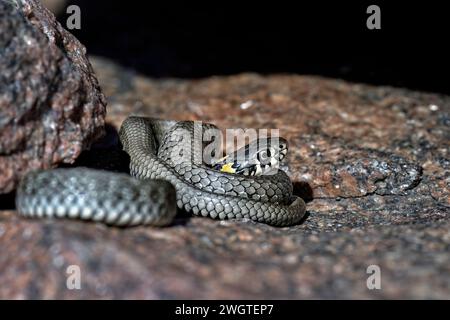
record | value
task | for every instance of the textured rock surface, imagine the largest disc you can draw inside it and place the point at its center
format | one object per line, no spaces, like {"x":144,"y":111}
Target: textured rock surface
{"x":372,"y":162}
{"x":51,"y":106}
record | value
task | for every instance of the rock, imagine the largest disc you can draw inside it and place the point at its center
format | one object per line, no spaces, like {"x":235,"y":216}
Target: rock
{"x":51,"y":106}
{"x":372,"y":162}
{"x":207,"y":259}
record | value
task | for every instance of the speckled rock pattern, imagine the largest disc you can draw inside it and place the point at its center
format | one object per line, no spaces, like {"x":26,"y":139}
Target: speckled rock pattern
{"x":51,"y":106}
{"x":372,"y":163}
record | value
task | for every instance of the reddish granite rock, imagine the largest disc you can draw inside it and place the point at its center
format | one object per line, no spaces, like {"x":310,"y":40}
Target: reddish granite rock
{"x":372,"y":162}
{"x":51,"y":106}
{"x":202,"y":258}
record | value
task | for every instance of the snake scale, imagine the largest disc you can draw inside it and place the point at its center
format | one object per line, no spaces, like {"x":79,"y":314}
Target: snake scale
{"x":165,"y":174}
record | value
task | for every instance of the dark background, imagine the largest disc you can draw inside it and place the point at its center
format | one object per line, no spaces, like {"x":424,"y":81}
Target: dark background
{"x":321,"y":38}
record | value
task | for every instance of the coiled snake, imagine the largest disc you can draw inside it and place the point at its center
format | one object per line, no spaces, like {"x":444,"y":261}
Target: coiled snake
{"x":169,"y":173}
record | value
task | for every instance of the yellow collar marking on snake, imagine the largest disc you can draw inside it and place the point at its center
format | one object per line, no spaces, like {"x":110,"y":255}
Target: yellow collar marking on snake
{"x":228,"y":167}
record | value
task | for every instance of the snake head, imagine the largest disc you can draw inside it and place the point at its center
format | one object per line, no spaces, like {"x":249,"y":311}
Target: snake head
{"x":261,"y":156}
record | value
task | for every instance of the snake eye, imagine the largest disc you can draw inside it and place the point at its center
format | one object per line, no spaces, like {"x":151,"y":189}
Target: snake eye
{"x":264,"y":156}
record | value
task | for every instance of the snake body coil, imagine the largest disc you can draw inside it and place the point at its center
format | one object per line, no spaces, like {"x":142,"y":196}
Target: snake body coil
{"x":164,"y":158}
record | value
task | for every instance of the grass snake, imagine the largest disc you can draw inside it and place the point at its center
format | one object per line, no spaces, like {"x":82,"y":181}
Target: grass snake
{"x":166,"y":172}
